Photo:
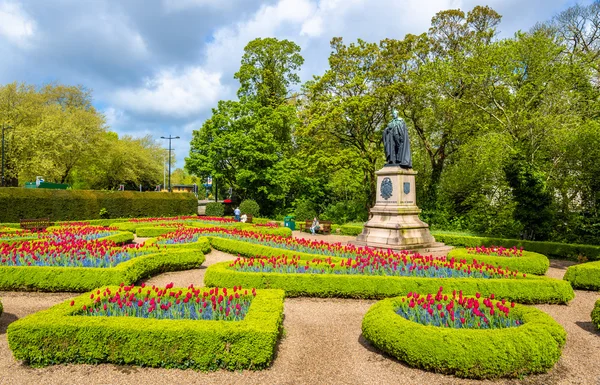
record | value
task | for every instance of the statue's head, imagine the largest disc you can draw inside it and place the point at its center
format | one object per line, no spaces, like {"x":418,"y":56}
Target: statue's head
{"x":395,"y":113}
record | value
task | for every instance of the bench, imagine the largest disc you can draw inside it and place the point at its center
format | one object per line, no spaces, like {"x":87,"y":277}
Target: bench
{"x":324,"y":226}
{"x":35,"y":224}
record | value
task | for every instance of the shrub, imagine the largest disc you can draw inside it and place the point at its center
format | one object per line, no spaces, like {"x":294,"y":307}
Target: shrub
{"x":151,"y":232}
{"x":555,"y":249}
{"x":529,"y":262}
{"x":215,"y":209}
{"x":61,"y":205}
{"x":533,"y":347}
{"x":595,"y":314}
{"x":249,"y":206}
{"x":532,"y":289}
{"x":201,"y":345}
{"x":584,"y":276}
{"x":80,"y":279}
{"x":351,"y":230}
{"x":304,"y":210}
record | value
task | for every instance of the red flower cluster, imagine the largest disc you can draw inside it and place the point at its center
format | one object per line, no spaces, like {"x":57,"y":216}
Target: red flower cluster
{"x":496,"y":251}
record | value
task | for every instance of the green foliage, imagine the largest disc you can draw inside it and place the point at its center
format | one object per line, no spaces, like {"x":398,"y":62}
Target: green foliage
{"x":200,"y":345}
{"x":595,"y":314}
{"x":215,"y":209}
{"x":304,"y":210}
{"x":249,"y":206}
{"x":530,"y":262}
{"x":152,"y":232}
{"x":80,"y":279}
{"x":104,"y":213}
{"x":533,"y":347}
{"x":351,"y":230}
{"x":1,"y":308}
{"x":76,"y":204}
{"x":532,"y":289}
{"x":585,"y":276}
{"x":345,"y":211}
{"x":552,"y":249}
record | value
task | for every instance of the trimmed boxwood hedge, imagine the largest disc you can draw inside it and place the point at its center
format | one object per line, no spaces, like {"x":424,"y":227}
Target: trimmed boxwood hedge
{"x":80,"y":279}
{"x":552,"y":249}
{"x":533,"y":347}
{"x":532,"y":289}
{"x":584,"y":276}
{"x":595,"y":314}
{"x":529,"y":262}
{"x":19,"y":203}
{"x":247,"y":249}
{"x":152,"y":232}
{"x":55,"y":336}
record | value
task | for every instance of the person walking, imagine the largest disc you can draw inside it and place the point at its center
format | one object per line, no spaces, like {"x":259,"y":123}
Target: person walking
{"x":237,"y":212}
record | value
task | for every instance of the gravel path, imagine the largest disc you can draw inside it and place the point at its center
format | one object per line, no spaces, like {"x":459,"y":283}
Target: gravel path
{"x":322,"y":344}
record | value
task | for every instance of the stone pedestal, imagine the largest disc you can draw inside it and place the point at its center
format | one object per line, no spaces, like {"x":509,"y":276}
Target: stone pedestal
{"x":394,"y":222}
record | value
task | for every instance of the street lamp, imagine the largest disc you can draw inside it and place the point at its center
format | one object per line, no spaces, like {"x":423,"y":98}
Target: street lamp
{"x":4,"y":127}
{"x":169,"y":138}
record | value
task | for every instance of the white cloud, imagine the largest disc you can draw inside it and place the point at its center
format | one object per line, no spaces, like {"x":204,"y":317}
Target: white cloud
{"x":173,"y":93}
{"x":179,"y":5}
{"x":114,"y":117}
{"x":15,"y":24}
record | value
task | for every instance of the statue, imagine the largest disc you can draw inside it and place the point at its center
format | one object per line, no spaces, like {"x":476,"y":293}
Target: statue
{"x":396,"y":143}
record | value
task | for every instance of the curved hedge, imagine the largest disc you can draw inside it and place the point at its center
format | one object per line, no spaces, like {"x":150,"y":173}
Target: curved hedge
{"x":532,"y":289}
{"x":555,"y":249}
{"x":595,"y":314}
{"x":80,"y":279}
{"x":533,"y":347}
{"x":247,"y":249}
{"x":151,"y":232}
{"x":201,"y":345}
{"x":529,"y":262}
{"x":584,"y":276}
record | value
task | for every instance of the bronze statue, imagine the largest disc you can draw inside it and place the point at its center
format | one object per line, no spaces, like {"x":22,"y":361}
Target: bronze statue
{"x":396,"y":143}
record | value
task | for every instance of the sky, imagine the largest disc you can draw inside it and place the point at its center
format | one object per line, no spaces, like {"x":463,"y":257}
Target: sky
{"x":157,"y":67}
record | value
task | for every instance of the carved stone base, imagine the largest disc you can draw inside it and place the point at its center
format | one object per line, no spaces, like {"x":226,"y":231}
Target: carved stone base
{"x":395,"y":222}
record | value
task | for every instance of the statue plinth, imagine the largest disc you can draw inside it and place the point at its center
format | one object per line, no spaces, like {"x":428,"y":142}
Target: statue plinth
{"x":394,"y":222}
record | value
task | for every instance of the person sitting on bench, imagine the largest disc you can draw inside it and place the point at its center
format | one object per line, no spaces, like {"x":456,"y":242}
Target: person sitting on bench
{"x":315,"y":226}
{"x":243,"y":218}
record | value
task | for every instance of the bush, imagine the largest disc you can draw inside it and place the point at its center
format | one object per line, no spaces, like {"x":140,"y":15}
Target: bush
{"x":345,"y":211}
{"x":595,"y":314}
{"x":532,"y":289}
{"x":533,"y":347}
{"x":351,"y":230}
{"x":555,"y":249}
{"x":80,"y":279}
{"x":584,"y":276}
{"x":304,"y":210}
{"x":201,"y":345}
{"x":529,"y":262}
{"x":215,"y":209}
{"x":62,"y":205}
{"x":249,"y":206}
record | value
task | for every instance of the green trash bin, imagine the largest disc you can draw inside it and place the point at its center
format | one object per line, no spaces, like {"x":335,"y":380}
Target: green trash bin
{"x":289,"y":222}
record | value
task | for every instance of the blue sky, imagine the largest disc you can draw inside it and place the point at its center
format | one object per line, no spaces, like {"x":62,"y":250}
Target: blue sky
{"x":158,"y":66}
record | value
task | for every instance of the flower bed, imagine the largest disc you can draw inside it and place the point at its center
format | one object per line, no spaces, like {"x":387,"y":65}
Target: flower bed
{"x":244,"y":343}
{"x":595,"y":314}
{"x":585,"y":276}
{"x":463,"y":349}
{"x":79,"y":279}
{"x":517,"y":259}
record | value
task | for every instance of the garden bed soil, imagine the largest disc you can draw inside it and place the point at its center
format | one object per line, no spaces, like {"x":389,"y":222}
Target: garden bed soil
{"x":322,"y":343}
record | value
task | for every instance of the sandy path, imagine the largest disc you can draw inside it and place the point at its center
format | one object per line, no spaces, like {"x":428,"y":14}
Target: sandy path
{"x":322,"y":344}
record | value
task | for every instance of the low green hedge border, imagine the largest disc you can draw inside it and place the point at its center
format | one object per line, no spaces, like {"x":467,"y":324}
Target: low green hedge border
{"x":554,"y":249}
{"x":533,"y":347}
{"x":151,"y":232}
{"x":201,"y":345}
{"x":595,"y":314}
{"x":532,"y":289}
{"x":584,"y":276}
{"x":529,"y":262}
{"x":246,"y":249}
{"x":80,"y":279}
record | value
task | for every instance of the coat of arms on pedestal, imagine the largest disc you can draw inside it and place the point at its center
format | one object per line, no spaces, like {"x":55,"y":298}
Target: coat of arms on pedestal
{"x":386,"y":188}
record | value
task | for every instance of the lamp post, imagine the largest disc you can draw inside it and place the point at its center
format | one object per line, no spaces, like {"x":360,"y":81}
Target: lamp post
{"x":169,"y":138}
{"x":4,"y":127}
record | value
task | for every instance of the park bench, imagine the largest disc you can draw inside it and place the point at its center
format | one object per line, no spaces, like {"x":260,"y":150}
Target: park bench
{"x":324,"y":226}
{"x":35,"y":224}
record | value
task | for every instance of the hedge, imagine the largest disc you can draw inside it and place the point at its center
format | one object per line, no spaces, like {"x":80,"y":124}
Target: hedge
{"x":529,"y":262}
{"x":214,"y":209}
{"x":19,"y":203}
{"x":1,"y":309}
{"x":247,"y":249}
{"x":151,"y":232}
{"x":595,"y":314}
{"x":80,"y":279}
{"x":584,"y":276}
{"x":533,"y":347}
{"x":532,"y":289}
{"x":201,"y":345}
{"x":554,"y":249}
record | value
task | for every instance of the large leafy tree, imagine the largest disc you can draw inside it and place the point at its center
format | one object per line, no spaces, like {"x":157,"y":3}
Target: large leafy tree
{"x":244,"y":142}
